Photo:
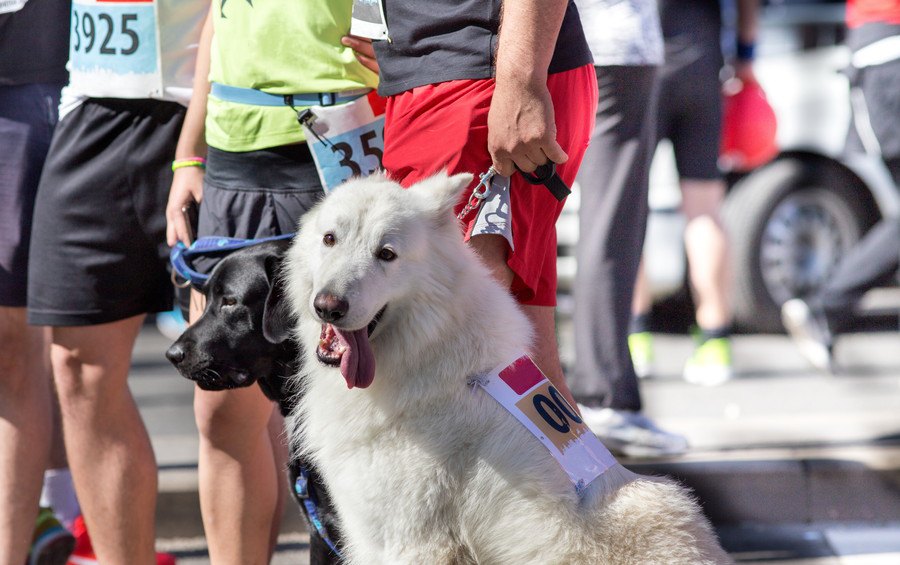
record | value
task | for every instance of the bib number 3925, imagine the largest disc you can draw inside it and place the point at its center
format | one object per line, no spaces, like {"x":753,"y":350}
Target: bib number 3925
{"x":115,"y":41}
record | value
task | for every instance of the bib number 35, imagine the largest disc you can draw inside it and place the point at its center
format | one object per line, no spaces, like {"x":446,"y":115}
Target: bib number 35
{"x":369,"y":144}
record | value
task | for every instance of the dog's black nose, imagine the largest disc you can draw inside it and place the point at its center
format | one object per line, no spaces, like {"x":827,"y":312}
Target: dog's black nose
{"x":175,"y":354}
{"x":329,"y":307}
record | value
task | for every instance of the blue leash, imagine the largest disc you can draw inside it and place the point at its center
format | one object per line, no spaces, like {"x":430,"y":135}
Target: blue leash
{"x":180,"y":254}
{"x":301,"y":487}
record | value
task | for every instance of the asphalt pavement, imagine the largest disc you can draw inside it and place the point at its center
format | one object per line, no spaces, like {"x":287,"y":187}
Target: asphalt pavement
{"x":792,"y":466}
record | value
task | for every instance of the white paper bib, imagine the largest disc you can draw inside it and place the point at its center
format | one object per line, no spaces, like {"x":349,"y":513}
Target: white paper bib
{"x":368,"y":20}
{"x":346,"y":140}
{"x":114,"y":49}
{"x":494,"y":216}
{"x":8,"y":6}
{"x":527,"y":394}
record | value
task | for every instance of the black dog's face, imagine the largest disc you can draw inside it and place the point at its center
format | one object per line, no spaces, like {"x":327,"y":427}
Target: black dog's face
{"x":227,"y":348}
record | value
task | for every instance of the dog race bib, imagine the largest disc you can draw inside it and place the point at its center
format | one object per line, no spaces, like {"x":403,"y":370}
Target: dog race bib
{"x":527,"y":394}
{"x":346,"y":140}
{"x":368,"y":19}
{"x":114,"y":49}
{"x":494,"y":216}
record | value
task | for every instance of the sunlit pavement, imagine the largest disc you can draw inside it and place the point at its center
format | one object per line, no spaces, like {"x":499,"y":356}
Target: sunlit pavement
{"x":792,"y":466}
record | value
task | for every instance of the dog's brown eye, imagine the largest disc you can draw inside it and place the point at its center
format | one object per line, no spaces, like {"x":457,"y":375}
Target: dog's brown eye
{"x":387,"y":254}
{"x":228,"y":301}
{"x":329,"y":239}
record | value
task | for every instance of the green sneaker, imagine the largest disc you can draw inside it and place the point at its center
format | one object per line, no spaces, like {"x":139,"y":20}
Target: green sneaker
{"x":51,"y":543}
{"x":640,"y":345}
{"x":710,"y":365}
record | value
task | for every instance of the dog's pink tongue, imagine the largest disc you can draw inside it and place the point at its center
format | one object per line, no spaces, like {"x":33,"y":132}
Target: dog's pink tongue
{"x":358,"y":361}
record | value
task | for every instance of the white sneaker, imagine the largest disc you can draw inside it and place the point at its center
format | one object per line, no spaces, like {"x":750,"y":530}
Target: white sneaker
{"x":810,"y":333}
{"x":631,"y":433}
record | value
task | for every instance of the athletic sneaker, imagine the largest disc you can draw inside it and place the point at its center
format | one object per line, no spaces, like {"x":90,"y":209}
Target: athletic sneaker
{"x":51,"y":543}
{"x":631,"y":433}
{"x":84,"y":550}
{"x":640,"y":345}
{"x":710,"y":365}
{"x":809,"y":330}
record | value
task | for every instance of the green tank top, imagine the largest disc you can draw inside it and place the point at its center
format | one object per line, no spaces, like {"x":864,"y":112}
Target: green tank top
{"x":278,"y":47}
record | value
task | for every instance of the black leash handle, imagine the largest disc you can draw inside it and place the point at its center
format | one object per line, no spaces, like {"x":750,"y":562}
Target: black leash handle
{"x":546,"y":175}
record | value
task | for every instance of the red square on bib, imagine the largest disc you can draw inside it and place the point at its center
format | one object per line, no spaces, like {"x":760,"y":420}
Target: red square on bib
{"x":521,"y":375}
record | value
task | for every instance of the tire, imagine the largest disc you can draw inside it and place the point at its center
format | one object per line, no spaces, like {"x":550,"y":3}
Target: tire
{"x":789,"y":223}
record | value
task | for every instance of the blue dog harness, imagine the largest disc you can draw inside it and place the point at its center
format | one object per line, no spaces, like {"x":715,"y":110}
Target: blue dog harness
{"x":180,"y":255}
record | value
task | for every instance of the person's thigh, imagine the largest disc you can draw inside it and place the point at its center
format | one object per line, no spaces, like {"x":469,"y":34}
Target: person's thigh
{"x":702,"y":197}
{"x":98,"y":245}
{"x":93,"y":362}
{"x":691,"y":105}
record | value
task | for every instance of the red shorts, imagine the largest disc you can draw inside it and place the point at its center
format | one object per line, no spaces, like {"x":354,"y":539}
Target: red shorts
{"x":444,"y":127}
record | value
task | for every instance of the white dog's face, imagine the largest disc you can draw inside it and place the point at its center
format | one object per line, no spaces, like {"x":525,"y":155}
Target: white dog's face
{"x":361,"y":254}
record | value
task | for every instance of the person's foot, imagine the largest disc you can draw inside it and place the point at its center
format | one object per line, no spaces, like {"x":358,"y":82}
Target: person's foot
{"x":83,"y":553}
{"x":640,"y":345}
{"x":710,"y":365}
{"x":631,"y":433}
{"x":809,"y":330}
{"x":51,"y":543}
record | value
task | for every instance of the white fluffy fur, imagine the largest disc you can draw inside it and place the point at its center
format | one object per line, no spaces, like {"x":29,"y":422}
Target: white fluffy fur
{"x":424,"y":469}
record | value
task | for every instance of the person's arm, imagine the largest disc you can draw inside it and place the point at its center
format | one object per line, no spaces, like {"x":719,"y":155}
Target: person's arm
{"x":521,"y":124}
{"x":747,"y":30}
{"x":187,"y":184}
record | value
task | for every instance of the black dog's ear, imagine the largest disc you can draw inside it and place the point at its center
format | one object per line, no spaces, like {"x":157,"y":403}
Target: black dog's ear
{"x":277,"y":318}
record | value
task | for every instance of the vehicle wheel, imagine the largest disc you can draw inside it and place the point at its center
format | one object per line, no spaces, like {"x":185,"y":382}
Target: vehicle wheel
{"x":789,"y":223}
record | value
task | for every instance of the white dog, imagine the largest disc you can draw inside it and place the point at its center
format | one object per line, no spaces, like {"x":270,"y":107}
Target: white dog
{"x":425,"y":468}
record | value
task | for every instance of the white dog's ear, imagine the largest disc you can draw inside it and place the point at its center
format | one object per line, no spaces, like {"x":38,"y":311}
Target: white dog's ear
{"x":441,"y":192}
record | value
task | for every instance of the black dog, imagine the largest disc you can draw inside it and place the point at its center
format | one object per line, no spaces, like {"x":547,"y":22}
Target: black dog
{"x":228,"y":347}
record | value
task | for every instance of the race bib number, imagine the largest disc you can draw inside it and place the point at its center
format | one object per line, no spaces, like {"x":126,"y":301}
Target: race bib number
{"x":346,"y":140}
{"x":113,"y":48}
{"x":368,"y":19}
{"x":8,"y":6}
{"x":527,"y":394}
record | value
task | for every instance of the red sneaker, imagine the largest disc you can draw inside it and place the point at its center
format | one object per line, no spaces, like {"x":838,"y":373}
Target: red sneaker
{"x":83,"y":554}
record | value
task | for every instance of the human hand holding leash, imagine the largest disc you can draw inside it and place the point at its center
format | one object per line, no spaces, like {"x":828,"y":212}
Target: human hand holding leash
{"x":521,"y":127}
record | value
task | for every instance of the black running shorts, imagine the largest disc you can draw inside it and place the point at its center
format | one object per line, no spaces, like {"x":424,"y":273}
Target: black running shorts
{"x":27,"y":117}
{"x":690,"y":104}
{"x":98,"y":251}
{"x":256,"y":194}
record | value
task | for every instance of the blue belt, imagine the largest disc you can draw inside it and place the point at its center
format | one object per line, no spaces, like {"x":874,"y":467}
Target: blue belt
{"x":254,"y":97}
